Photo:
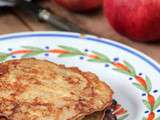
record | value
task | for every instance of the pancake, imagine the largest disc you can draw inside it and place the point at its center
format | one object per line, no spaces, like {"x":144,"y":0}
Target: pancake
{"x":95,"y":116}
{"x":32,"y":89}
{"x":106,"y":114}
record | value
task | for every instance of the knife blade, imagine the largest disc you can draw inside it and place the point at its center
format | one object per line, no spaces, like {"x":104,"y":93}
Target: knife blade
{"x":45,"y":15}
{"x":7,"y":3}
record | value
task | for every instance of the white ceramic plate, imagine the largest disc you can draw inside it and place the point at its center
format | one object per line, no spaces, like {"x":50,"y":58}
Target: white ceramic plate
{"x":134,"y":77}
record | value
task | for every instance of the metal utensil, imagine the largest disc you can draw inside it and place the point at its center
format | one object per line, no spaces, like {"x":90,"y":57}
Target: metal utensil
{"x":47,"y":16}
{"x":7,"y":3}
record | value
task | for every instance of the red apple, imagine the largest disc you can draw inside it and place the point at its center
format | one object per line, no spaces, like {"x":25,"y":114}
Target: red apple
{"x":80,"y":5}
{"x":136,"y":19}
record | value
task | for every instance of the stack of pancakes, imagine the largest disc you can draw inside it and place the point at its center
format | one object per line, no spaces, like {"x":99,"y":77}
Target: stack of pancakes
{"x":32,"y":89}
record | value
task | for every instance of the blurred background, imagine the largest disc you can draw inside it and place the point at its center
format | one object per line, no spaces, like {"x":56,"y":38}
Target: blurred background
{"x":135,"y":25}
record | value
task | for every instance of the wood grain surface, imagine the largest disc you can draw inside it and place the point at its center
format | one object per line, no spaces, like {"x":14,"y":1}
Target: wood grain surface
{"x":13,"y":20}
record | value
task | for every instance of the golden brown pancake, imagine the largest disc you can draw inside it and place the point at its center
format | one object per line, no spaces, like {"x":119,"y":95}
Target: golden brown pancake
{"x":32,"y":89}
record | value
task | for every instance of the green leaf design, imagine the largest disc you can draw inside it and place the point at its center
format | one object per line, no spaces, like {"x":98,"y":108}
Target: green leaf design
{"x":140,"y":87}
{"x":157,"y":103}
{"x":102,"y":57}
{"x":3,"y":57}
{"x":32,"y":54}
{"x":2,"y":53}
{"x":66,"y":55}
{"x":131,"y":68}
{"x":122,"y":71}
{"x":33,"y":48}
{"x":35,"y":51}
{"x":71,"y":49}
{"x":123,"y":117}
{"x":149,"y":84}
{"x":157,"y":118}
{"x":146,"y":103}
{"x":97,"y":60}
{"x":144,"y":118}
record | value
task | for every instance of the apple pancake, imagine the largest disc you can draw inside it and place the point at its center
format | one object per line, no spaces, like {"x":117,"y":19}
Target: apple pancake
{"x":32,"y":89}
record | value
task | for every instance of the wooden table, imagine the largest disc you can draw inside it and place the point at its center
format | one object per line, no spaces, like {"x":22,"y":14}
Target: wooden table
{"x":12,"y":20}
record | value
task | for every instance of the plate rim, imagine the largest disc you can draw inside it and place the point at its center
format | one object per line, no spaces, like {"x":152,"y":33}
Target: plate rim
{"x":92,"y":38}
